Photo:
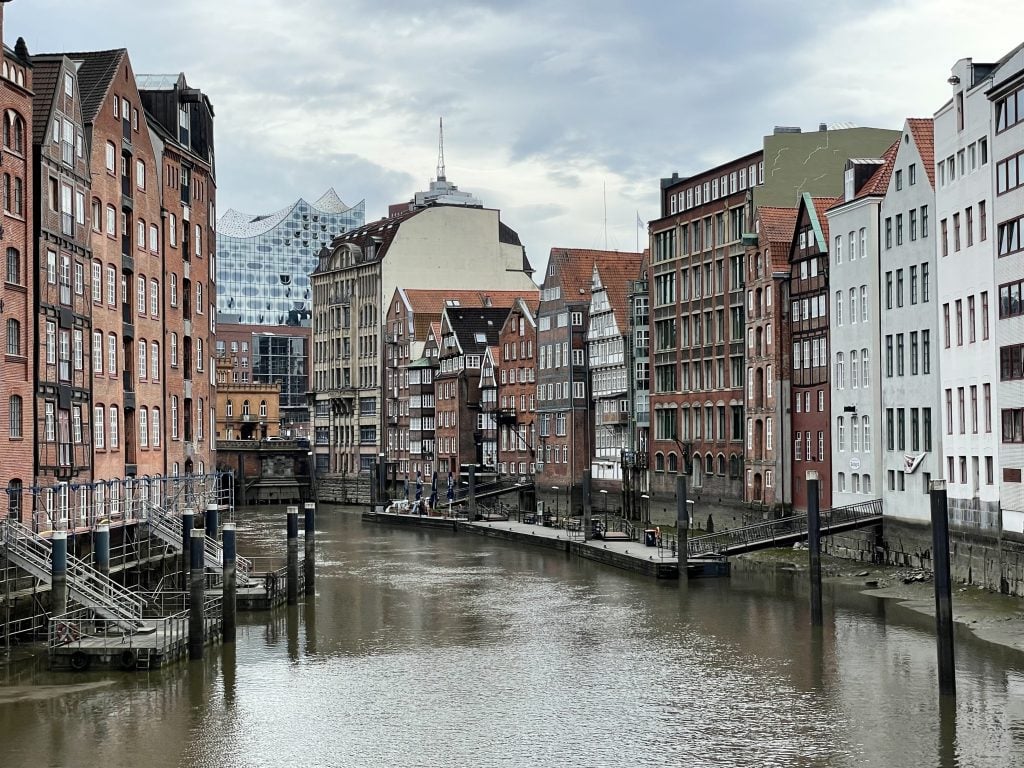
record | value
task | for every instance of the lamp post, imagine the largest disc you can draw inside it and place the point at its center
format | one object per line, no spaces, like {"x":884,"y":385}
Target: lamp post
{"x":604,"y":506}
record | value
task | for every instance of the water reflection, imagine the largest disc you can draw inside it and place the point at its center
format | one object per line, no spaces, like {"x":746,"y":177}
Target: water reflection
{"x":442,"y":649}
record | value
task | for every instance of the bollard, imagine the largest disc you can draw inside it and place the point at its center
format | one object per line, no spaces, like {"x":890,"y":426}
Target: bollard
{"x":212,"y":520}
{"x":59,"y":573}
{"x":101,"y":548}
{"x":293,"y":555}
{"x":587,"y":504}
{"x":230,"y":593}
{"x":188,"y":517}
{"x":682,"y":531}
{"x":310,"y":542}
{"x":196,"y":617}
{"x":814,"y":546}
{"x":943,"y":588}
{"x":472,"y":492}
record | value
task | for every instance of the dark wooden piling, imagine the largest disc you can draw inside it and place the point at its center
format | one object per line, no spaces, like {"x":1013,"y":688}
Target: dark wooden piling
{"x":588,"y":504}
{"x":943,"y":588}
{"x":59,"y":572}
{"x":230,"y":593}
{"x":211,"y":520}
{"x":196,"y":616}
{"x":814,"y":546}
{"x":293,"y":555}
{"x":309,"y":563}
{"x":101,"y":548}
{"x":682,"y":530}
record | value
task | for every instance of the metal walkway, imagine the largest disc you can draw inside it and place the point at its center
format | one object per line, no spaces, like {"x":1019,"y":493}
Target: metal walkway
{"x":86,"y":586}
{"x":784,"y":531}
{"x":166,"y":525}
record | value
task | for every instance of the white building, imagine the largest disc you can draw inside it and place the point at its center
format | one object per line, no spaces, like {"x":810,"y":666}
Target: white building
{"x":909,"y":367}
{"x":1006,"y":99}
{"x":966,"y":288}
{"x":854,"y":330}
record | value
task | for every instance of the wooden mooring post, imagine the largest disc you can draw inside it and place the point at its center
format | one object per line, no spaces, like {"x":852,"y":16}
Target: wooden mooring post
{"x":682,"y":531}
{"x":293,"y":555}
{"x":230,"y":592}
{"x":814,"y":546}
{"x":309,"y":563}
{"x":197,"y":593}
{"x":943,"y":588}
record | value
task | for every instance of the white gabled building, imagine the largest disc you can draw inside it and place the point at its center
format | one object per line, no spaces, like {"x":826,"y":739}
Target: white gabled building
{"x":966,"y":295}
{"x":911,"y":433}
{"x":854,"y":330}
{"x":1006,"y":99}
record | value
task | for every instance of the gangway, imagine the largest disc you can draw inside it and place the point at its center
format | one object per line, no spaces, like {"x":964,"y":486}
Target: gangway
{"x":166,"y":526}
{"x":784,"y":531}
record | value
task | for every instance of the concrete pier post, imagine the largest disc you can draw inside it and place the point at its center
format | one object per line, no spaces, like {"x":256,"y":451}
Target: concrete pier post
{"x":212,"y":520}
{"x":943,"y":588}
{"x":101,"y":548}
{"x":587,"y":504}
{"x":309,"y":562}
{"x":59,"y":572}
{"x":682,"y":530}
{"x":293,"y":555}
{"x":197,"y":590}
{"x":188,"y":517}
{"x":472,"y":492}
{"x":814,"y":546}
{"x":230,"y":593}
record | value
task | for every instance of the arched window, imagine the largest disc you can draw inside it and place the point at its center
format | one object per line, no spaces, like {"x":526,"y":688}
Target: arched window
{"x":154,"y":432}
{"x":721,"y":464}
{"x":263,"y":409}
{"x":14,"y":499}
{"x":245,"y":408}
{"x":13,"y":266}
{"x":143,"y":427}
{"x":673,"y":463}
{"x":709,"y":464}
{"x":13,"y":336}
{"x":230,"y":409}
{"x":840,"y":434}
{"x":659,"y":462}
{"x":734,"y":466}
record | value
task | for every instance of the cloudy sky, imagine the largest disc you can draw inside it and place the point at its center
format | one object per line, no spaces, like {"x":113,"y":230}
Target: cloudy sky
{"x":546,"y":104}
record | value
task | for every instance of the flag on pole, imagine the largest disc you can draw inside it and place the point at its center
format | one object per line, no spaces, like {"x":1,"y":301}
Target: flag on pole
{"x":640,"y":222}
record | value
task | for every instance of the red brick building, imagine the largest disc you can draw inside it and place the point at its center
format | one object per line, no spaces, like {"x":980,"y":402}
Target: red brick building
{"x":180,"y":122}
{"x":564,"y":411}
{"x":768,"y":458}
{"x":697,"y":329}
{"x":63,"y":276}
{"x":810,"y":410}
{"x":17,"y":241}
{"x":517,"y":392}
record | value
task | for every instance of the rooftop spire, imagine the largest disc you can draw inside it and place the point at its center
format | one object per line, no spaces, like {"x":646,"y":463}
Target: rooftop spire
{"x":440,"y":150}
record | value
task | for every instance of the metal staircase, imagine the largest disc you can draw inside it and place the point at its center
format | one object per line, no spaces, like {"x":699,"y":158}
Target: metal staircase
{"x":86,"y":586}
{"x":166,"y":526}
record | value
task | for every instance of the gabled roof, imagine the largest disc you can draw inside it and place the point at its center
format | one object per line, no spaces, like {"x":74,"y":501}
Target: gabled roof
{"x":878,"y":184}
{"x":615,"y":274}
{"x":426,"y":305}
{"x":45,"y":73}
{"x":818,"y":220}
{"x":96,"y":72}
{"x":476,"y":329}
{"x":574,"y":270}
{"x":777,"y":228}
{"x":923,"y":131}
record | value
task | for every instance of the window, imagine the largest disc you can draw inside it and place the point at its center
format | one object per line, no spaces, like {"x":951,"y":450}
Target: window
{"x":114,"y":427}
{"x":143,"y":352}
{"x":13,"y":337}
{"x":143,"y":427}
{"x":174,"y":349}
{"x":140,"y":174}
{"x":154,"y":298}
{"x":154,"y":431}
{"x":154,"y":361}
{"x":172,"y":229}
{"x":98,"y":426}
{"x":174,"y":417}
{"x":111,"y":157}
{"x":97,"y":351}
{"x":111,"y":354}
{"x":13,"y":266}
{"x":14,"y":408}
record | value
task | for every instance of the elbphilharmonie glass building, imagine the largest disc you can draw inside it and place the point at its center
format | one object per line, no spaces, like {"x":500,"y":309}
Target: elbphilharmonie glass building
{"x":263,"y":262}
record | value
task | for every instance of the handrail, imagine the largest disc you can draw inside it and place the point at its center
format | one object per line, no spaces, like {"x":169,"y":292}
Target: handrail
{"x":770,"y":531}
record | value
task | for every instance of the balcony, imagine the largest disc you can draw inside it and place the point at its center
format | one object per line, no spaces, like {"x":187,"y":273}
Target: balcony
{"x":612,"y":418}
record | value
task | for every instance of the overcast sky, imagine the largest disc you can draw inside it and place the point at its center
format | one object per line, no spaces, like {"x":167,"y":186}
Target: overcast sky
{"x":546,"y":104}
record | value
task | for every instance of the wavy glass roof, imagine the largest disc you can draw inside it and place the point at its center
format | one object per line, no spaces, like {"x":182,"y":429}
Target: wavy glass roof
{"x":264,"y":261}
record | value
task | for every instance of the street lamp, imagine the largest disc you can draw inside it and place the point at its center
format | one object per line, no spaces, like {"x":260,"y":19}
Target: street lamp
{"x":604,"y":506}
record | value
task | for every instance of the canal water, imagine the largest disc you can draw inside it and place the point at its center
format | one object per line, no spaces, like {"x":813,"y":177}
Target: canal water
{"x":431,"y":648}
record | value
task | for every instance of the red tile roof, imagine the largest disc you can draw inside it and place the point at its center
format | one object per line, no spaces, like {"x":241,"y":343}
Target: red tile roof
{"x":822,"y":204}
{"x":777,"y":226}
{"x":923,"y":131}
{"x":574,"y":271}
{"x":616,"y":272}
{"x":427,"y":305}
{"x":878,"y":184}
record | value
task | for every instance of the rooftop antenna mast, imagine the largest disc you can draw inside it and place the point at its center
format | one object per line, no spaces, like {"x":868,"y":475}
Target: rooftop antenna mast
{"x":440,"y":150}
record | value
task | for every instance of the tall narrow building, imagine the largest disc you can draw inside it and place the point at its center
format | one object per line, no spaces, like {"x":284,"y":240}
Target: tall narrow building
{"x":65,"y":281}
{"x":17,"y":239}
{"x":180,"y":123}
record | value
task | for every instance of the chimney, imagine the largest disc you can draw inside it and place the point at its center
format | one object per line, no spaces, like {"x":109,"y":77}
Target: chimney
{"x":822,"y":126}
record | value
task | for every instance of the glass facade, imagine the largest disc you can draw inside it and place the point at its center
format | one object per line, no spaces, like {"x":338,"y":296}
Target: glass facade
{"x":278,"y":359}
{"x":263,"y":262}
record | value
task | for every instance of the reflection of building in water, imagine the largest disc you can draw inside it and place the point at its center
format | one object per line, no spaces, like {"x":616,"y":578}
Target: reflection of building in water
{"x":263,"y":262}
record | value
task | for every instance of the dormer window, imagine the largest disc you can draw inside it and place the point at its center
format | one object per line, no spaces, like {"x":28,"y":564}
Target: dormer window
{"x":848,"y":186}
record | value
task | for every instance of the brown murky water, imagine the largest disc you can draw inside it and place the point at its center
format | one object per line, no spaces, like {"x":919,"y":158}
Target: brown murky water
{"x":439,"y":649}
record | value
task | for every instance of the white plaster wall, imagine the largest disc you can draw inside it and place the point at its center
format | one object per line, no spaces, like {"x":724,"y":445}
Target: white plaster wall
{"x":910,"y":391}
